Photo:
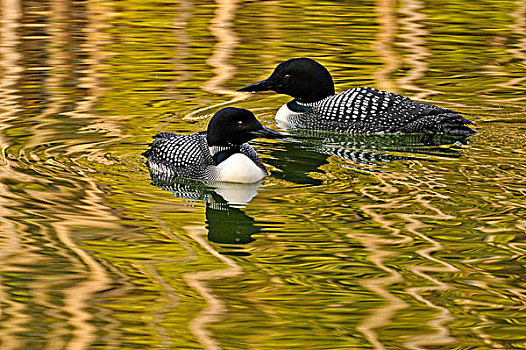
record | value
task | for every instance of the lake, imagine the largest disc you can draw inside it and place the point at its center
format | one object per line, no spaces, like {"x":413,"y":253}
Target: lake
{"x":353,"y":241}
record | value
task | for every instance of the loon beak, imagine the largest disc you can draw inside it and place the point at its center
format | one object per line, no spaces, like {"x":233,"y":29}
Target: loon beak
{"x":266,"y":133}
{"x":263,"y":85}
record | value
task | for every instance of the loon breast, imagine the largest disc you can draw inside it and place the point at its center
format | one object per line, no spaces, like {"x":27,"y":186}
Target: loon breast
{"x":284,"y":116}
{"x":290,"y":113}
{"x":238,"y":168}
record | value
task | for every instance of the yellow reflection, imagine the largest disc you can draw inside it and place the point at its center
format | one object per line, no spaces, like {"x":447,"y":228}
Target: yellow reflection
{"x":215,"y":306}
{"x":414,"y":33}
{"x":385,"y":37}
{"x":13,"y":250}
{"x":519,"y":51}
{"x":227,"y":40}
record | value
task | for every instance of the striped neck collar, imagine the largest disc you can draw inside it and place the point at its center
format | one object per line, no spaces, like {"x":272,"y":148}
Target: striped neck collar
{"x":298,"y":107}
{"x":221,"y":153}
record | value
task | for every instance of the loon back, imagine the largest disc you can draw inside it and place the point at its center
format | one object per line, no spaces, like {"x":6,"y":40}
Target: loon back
{"x":189,"y":156}
{"x":179,"y":156}
{"x":369,"y":110}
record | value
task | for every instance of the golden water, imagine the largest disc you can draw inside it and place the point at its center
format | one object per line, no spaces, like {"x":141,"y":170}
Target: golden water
{"x":390,"y":245}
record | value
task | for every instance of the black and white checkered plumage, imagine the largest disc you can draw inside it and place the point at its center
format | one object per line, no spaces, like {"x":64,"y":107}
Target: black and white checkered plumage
{"x":219,"y":154}
{"x":362,"y":109}
{"x":190,"y":156}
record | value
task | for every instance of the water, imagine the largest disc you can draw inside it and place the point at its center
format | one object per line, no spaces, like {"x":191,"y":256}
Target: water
{"x":352,"y":242}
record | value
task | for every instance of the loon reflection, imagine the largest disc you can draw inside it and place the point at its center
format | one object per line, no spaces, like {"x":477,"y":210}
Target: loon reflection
{"x":226,"y":222}
{"x":230,"y":226}
{"x":213,"y":193}
{"x":310,"y":149}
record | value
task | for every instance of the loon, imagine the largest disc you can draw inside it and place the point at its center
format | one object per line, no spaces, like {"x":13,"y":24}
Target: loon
{"x":221,"y":153}
{"x":359,"y":110}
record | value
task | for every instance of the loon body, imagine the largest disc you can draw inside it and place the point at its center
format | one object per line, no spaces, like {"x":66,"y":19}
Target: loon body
{"x":362,"y":109}
{"x":219,"y":154}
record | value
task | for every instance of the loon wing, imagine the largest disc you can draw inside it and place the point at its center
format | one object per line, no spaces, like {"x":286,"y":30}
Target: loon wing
{"x":185,"y":155}
{"x":366,"y":109}
{"x":251,"y":153}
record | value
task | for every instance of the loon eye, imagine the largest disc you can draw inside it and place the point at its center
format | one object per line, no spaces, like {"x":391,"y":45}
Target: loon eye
{"x":287,"y":77}
{"x":240,"y":123}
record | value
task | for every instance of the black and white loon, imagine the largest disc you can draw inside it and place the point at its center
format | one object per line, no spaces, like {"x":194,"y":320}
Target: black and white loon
{"x":221,"y":153}
{"x":362,"y":109}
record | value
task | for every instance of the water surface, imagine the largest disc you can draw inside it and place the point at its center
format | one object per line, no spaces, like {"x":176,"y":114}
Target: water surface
{"x":373,"y":242}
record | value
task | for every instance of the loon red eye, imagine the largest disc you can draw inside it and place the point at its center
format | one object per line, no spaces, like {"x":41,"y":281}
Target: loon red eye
{"x":287,"y":77}
{"x":240,"y":123}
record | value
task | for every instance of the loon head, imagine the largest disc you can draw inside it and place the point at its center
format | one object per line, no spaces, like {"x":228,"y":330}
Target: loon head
{"x":234,"y":126}
{"x":302,"y":78}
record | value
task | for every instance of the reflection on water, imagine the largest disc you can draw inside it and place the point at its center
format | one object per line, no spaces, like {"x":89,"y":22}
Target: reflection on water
{"x":376,"y":149}
{"x":215,"y":194}
{"x":424,"y":249}
{"x":230,"y":226}
{"x":226,"y":222}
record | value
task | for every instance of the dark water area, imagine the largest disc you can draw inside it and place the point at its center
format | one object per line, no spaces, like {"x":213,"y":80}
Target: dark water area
{"x":352,"y":242}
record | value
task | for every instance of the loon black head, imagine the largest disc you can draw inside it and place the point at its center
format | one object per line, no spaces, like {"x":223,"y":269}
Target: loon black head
{"x":234,"y":126}
{"x":302,"y":78}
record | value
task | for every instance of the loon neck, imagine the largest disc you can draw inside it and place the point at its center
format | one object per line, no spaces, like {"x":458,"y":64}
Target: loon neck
{"x":221,"y":153}
{"x":315,"y":93}
{"x":297,"y":107}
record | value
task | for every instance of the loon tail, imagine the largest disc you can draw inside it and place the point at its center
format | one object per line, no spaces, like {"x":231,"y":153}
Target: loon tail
{"x":455,"y":125}
{"x":448,"y":123}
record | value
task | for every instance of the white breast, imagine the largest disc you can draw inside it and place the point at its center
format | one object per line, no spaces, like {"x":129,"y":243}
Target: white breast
{"x":283,"y":117}
{"x":238,"y":168}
